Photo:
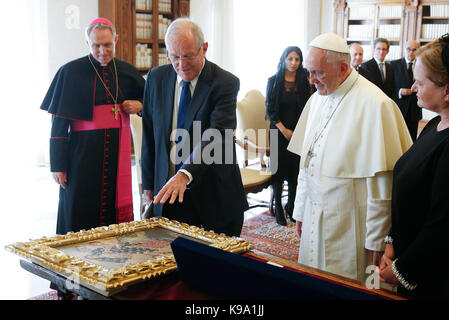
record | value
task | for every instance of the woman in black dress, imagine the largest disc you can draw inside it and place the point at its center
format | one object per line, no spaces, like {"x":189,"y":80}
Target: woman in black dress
{"x":287,"y":93}
{"x":417,"y":248}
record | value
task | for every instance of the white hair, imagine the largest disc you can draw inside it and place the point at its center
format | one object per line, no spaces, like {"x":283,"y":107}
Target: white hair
{"x":337,"y":57}
{"x":183,"y":25}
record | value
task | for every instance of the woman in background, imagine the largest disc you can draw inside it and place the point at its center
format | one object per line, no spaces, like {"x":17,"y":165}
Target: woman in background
{"x":416,"y":255}
{"x":287,"y":93}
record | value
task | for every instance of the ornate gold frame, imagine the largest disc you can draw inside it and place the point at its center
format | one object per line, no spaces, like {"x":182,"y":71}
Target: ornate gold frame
{"x":44,"y":252}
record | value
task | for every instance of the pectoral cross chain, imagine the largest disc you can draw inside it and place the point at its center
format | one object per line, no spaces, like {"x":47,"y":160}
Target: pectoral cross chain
{"x":116,"y":110}
{"x":309,"y":157}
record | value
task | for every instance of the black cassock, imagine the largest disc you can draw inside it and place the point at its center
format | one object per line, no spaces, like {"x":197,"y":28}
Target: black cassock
{"x":90,"y":157}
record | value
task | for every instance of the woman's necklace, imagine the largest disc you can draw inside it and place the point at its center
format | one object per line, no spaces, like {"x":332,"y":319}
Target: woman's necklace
{"x":116,"y":109}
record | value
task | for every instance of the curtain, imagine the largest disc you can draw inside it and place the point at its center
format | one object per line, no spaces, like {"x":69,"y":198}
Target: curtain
{"x":216,"y":19}
{"x":263,"y":29}
{"x":247,"y":37}
{"x":24,"y":58}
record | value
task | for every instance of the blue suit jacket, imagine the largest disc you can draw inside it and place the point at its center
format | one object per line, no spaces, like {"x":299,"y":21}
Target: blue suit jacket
{"x":407,"y":104}
{"x":370,"y":70}
{"x":216,"y":189}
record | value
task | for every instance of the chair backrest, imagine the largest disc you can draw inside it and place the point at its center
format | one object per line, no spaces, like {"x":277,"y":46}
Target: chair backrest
{"x":251,"y":123}
{"x":136,"y":132}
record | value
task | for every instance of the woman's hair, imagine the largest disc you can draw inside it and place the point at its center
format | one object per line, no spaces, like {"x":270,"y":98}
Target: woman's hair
{"x":301,"y":81}
{"x":435,"y":57}
{"x":281,"y":64}
{"x":300,"y":72}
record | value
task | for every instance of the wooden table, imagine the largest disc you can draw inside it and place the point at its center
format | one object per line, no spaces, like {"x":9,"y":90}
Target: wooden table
{"x":170,"y":287}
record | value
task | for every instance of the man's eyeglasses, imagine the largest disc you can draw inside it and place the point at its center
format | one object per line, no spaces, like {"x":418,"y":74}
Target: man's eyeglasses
{"x":176,"y":59}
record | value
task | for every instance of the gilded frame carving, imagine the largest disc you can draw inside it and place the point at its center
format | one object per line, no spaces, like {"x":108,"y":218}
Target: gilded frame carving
{"x":47,"y":252}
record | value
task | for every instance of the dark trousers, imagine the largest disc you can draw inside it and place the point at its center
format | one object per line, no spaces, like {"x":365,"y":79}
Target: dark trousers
{"x":277,"y":192}
{"x":185,"y":212}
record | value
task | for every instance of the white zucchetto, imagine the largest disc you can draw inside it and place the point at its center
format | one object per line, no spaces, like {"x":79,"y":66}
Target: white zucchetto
{"x":330,"y":41}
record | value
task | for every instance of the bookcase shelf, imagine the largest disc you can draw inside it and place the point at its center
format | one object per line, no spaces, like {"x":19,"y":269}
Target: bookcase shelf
{"x":141,"y":26}
{"x":396,"y":20}
{"x":434,"y":20}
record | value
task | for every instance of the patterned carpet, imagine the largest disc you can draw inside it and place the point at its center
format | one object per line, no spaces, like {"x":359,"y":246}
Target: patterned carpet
{"x":266,"y":235}
{"x":51,"y":295}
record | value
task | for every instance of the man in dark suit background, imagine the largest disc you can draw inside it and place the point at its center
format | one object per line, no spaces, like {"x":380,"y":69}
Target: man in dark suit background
{"x":356,"y":52}
{"x":405,"y":98}
{"x":185,"y":180}
{"x":377,"y":70}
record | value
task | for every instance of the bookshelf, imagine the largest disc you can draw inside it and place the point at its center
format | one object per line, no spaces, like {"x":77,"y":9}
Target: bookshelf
{"x":433,"y":20}
{"x":141,"y":26}
{"x":396,"y":20}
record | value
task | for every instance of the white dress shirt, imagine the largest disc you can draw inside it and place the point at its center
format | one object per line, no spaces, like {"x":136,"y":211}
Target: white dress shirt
{"x":177,"y":97}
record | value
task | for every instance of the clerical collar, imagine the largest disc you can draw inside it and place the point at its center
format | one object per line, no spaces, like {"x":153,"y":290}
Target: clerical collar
{"x":345,"y":86}
{"x":97,"y":63}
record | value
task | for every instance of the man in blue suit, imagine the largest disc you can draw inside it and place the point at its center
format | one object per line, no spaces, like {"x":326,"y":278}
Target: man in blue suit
{"x":189,"y":166}
{"x":405,"y":98}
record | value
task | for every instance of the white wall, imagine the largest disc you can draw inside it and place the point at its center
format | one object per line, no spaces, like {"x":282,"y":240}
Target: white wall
{"x":66,"y":22}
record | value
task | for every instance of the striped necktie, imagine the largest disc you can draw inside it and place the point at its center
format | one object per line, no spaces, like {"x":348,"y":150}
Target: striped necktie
{"x":410,"y":71}
{"x":184,"y":103}
{"x":381,"y":68}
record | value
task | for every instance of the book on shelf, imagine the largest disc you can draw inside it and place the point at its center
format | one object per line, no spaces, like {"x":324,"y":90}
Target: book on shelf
{"x":360,"y":31}
{"x":389,"y":31}
{"x":433,"y":31}
{"x":394,"y":53}
{"x":144,"y":26}
{"x":392,"y":12}
{"x":163,"y":56}
{"x":439,"y":10}
{"x":165,"y":5}
{"x":144,"y":4}
{"x":144,"y":56}
{"x":361,"y":12}
{"x":163,"y":26}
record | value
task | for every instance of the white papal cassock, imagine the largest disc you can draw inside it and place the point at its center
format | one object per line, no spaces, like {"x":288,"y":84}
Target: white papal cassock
{"x":355,"y":136}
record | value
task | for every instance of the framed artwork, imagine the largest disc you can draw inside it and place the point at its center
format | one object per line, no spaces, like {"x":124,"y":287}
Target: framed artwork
{"x":108,"y":259}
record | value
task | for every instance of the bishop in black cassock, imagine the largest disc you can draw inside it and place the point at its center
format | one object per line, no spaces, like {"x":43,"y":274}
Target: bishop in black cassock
{"x":86,"y":143}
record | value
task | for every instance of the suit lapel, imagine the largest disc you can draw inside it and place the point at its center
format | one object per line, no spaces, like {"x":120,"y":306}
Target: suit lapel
{"x":376,"y":71}
{"x":201,"y":90}
{"x":405,"y":70}
{"x":167,"y":102}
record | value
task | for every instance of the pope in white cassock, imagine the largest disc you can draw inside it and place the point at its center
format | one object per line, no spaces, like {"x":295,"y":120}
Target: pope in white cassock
{"x":349,"y":137}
